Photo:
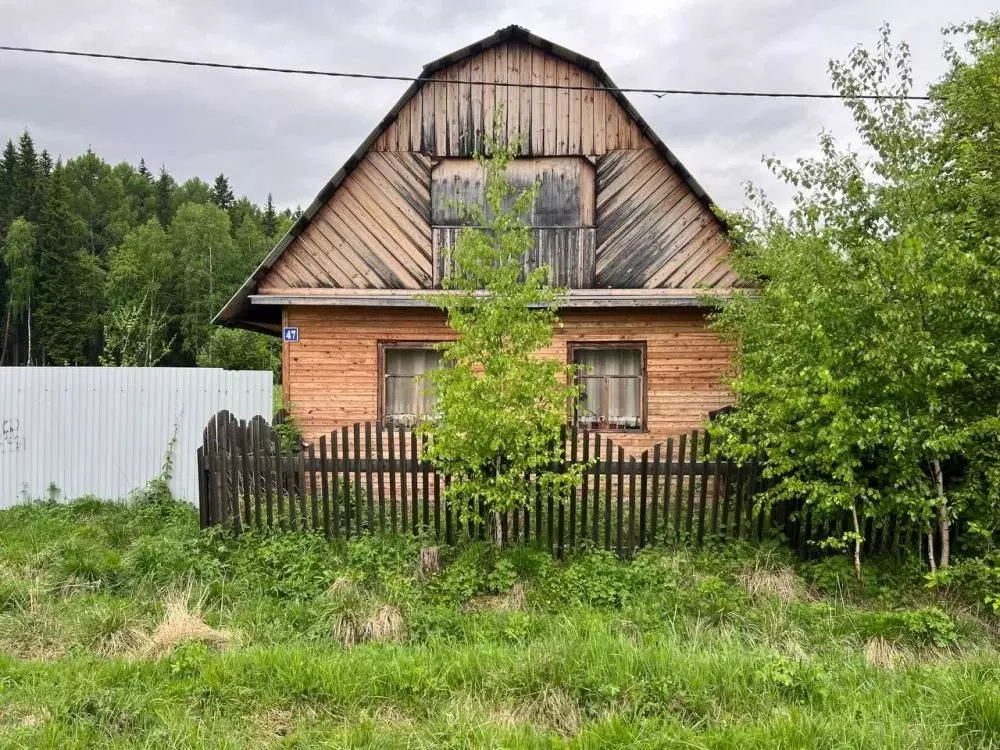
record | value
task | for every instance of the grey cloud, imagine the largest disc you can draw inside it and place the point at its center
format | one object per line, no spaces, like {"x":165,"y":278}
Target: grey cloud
{"x":287,"y":135}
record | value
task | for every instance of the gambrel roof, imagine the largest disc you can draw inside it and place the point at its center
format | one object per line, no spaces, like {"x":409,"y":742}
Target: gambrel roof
{"x":368,"y":232}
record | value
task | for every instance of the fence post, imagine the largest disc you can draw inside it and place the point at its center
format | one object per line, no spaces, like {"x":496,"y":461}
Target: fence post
{"x":203,"y":518}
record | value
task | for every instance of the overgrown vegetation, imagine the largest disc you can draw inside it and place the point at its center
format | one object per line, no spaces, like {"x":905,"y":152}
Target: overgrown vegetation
{"x":867,"y":376}
{"x":125,"y":626}
{"x":500,"y":403}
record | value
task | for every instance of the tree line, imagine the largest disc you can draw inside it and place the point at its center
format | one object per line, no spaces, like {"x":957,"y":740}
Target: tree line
{"x":116,"y":265}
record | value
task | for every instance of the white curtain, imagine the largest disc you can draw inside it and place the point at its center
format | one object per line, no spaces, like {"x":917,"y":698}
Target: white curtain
{"x":611,"y":381}
{"x":409,"y":395}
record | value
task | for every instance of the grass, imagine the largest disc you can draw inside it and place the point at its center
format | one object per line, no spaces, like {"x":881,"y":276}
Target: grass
{"x":124,"y":626}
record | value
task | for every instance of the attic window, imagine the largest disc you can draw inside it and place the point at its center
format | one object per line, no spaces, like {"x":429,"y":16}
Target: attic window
{"x":566,"y":196}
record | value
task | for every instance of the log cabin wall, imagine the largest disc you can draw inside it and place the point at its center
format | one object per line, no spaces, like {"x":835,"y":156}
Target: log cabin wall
{"x":639,"y":223}
{"x":331,"y":375}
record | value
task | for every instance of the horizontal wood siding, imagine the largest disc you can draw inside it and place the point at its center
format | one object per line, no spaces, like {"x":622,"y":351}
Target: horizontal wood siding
{"x":568,"y":253}
{"x":651,"y":229}
{"x":331,"y":374}
{"x":374,"y":233}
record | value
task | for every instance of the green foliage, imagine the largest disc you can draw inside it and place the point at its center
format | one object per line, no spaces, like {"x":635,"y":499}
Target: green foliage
{"x":135,"y":335}
{"x":500,"y":405}
{"x":238,"y":349}
{"x":867,"y":374}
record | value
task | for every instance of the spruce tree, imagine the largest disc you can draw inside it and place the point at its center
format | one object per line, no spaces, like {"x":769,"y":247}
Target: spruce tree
{"x":164,"y":197}
{"x":8,"y":167}
{"x":222,"y":193}
{"x":269,"y":223}
{"x":144,"y":170}
{"x":44,"y":165}
{"x":27,"y":185}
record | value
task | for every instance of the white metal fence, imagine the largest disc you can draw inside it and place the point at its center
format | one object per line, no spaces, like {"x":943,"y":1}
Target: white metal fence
{"x":106,"y":431}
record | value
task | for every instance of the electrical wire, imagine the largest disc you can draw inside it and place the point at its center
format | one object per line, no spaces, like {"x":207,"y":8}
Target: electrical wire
{"x":657,"y":92}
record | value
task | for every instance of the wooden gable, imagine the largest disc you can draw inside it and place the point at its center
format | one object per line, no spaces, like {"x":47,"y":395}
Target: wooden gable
{"x":374,"y":226}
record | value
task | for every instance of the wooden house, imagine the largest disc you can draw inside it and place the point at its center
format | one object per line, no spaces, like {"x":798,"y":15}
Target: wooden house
{"x":619,"y":221}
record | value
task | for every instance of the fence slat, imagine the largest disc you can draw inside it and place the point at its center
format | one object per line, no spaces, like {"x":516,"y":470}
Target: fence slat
{"x":654,"y":495}
{"x":619,"y":514}
{"x":312,"y":487}
{"x":681,"y":452}
{"x":292,"y":487}
{"x":667,"y":479}
{"x":345,"y":484}
{"x":607,"y":494}
{"x":703,"y":494}
{"x":426,"y":483}
{"x":596,"y":516}
{"x":449,"y":525}
{"x":380,"y":479}
{"x":392,"y":479}
{"x":301,"y":484}
{"x":738,"y":487}
{"x":369,"y":491}
{"x":585,"y":486}
{"x":716,"y":478}
{"x":537,"y":492}
{"x":203,"y":516}
{"x":335,"y":476}
{"x":572,"y":496}
{"x":631,"y":507}
{"x":643,"y":489}
{"x":692,"y":474}
{"x":403,"y":514}
{"x":415,"y":463}
{"x":324,"y":485}
{"x":357,"y":479}
{"x":244,"y":468}
{"x":437,"y":505}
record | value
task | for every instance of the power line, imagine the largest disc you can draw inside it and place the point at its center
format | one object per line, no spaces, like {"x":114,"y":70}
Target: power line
{"x":419,"y":79}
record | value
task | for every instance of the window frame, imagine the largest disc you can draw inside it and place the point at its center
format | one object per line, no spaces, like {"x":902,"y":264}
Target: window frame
{"x":381,"y":382}
{"x":571,"y":349}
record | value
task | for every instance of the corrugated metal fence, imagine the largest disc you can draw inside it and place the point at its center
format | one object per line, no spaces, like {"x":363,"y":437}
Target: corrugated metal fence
{"x":106,"y":430}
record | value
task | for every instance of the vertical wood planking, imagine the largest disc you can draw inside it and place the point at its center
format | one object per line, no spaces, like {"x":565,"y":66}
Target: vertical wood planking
{"x":380,"y":480}
{"x":415,"y":473}
{"x":203,"y":511}
{"x":458,"y":108}
{"x":346,"y":467}
{"x":426,"y":482}
{"x":727,"y":489}
{"x":487,"y":100}
{"x":358,"y":524}
{"x":278,"y":484}
{"x":440,"y":116}
{"x":525,"y":97}
{"x":403,"y":515}
{"x":716,"y":478}
{"x":266,"y":469}
{"x":587,"y":116}
{"x":738,"y":502}
{"x":449,"y":531}
{"x":392,"y":479}
{"x":585,"y":486}
{"x":437,"y":505}
{"x":538,"y":512}
{"x":312,"y":487}
{"x":244,"y":469}
{"x":607,"y":493}
{"x":692,"y":475}
{"x":573,"y":492}
{"x":537,"y":116}
{"x":681,"y":452}
{"x":655,"y":494}
{"x":595,"y":517}
{"x":667,"y":479}
{"x":550,"y":121}
{"x":703,"y":497}
{"x":643,"y":487}
{"x":292,"y":489}
{"x":562,"y":107}
{"x":335,"y":477}
{"x":575,"y":112}
{"x":600,"y":122}
{"x":500,"y":99}
{"x":301,"y":484}
{"x":369,"y":488}
{"x":619,"y":519}
{"x":611,"y":111}
{"x":631,"y":506}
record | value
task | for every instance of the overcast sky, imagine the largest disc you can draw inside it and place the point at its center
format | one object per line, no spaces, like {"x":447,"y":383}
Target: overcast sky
{"x":287,"y":135}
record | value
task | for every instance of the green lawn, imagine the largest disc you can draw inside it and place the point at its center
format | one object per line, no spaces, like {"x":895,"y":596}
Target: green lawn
{"x":127,"y":627}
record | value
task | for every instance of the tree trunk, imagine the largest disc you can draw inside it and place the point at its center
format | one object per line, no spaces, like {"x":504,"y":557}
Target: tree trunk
{"x":6,"y":334}
{"x":495,"y":529}
{"x":944,"y":525}
{"x":29,"y":331}
{"x":857,"y":542}
{"x":930,"y":551}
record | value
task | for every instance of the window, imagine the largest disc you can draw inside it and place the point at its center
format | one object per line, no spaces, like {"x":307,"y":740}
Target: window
{"x":612,"y":386}
{"x":406,"y":396}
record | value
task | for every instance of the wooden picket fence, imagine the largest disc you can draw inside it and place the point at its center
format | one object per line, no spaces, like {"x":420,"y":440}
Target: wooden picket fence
{"x":367,"y":478}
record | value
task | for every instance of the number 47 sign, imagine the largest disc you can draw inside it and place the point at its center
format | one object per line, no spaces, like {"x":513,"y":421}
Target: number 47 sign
{"x":291,"y":335}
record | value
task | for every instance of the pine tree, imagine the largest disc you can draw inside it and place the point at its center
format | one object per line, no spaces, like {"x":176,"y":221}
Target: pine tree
{"x":222,"y":193}
{"x":164,"y":197}
{"x":144,"y":170}
{"x":269,"y":223}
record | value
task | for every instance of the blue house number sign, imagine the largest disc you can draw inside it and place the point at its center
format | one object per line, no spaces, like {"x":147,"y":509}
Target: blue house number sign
{"x":291,"y":335}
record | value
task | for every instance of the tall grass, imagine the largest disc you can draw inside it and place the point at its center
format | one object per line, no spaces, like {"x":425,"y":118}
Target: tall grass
{"x":736,"y":647}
